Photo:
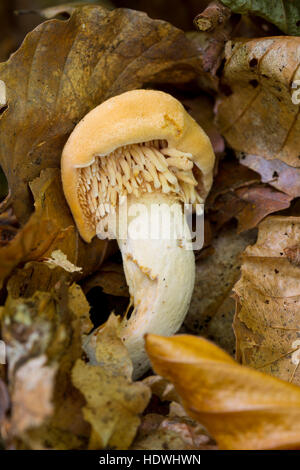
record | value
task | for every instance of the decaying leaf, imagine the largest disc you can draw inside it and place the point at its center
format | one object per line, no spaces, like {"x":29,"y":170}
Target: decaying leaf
{"x":293,"y":254}
{"x":278,"y":174}
{"x":284,"y":14}
{"x":101,"y":53}
{"x":68,"y":8}
{"x":43,"y":335}
{"x":237,"y":193}
{"x":173,"y":432}
{"x":262,"y":202}
{"x":113,"y":402}
{"x":201,"y":109}
{"x":258,"y":115}
{"x":240,"y":407}
{"x":268,"y":293}
{"x":32,"y":396}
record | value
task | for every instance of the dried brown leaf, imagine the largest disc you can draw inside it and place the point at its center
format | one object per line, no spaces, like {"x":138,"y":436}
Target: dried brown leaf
{"x":262,"y":202}
{"x":268,"y":293}
{"x":258,"y":115}
{"x":171,"y":433}
{"x":278,"y":174}
{"x":236,"y":193}
{"x":230,"y":177}
{"x":43,"y":335}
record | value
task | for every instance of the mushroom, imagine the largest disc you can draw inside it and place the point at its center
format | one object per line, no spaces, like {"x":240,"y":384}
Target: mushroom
{"x":141,"y":144}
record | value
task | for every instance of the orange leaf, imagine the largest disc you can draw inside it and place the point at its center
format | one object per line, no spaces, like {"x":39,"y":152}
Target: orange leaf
{"x":240,"y":407}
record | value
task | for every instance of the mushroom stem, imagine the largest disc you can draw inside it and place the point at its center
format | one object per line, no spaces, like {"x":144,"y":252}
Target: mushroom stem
{"x":160,"y":273}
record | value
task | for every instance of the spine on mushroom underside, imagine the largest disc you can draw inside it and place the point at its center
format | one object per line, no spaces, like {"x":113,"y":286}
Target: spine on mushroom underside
{"x":160,"y":274}
{"x":135,"y":169}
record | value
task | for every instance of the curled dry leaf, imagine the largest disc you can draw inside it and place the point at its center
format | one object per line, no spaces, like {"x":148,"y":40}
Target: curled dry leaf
{"x":240,"y":407}
{"x":113,"y":402}
{"x":68,"y":8}
{"x":268,"y":294}
{"x":258,"y":115}
{"x":101,"y":53}
{"x":43,"y":336}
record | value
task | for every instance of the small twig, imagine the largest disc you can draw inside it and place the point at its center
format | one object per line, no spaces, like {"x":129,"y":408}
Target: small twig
{"x":214,"y":15}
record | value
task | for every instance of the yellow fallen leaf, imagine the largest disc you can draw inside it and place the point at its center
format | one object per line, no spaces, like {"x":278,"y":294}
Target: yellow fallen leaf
{"x":240,"y":407}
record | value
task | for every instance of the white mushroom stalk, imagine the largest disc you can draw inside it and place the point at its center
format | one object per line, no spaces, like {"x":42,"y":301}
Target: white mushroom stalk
{"x":134,"y":152}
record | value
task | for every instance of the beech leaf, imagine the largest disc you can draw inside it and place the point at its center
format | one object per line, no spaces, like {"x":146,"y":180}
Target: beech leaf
{"x":43,"y":336}
{"x":257,"y":115}
{"x":268,"y":295}
{"x":240,"y":407}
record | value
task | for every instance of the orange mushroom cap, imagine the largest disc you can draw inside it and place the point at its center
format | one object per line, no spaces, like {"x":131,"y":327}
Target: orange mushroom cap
{"x":134,"y":117}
